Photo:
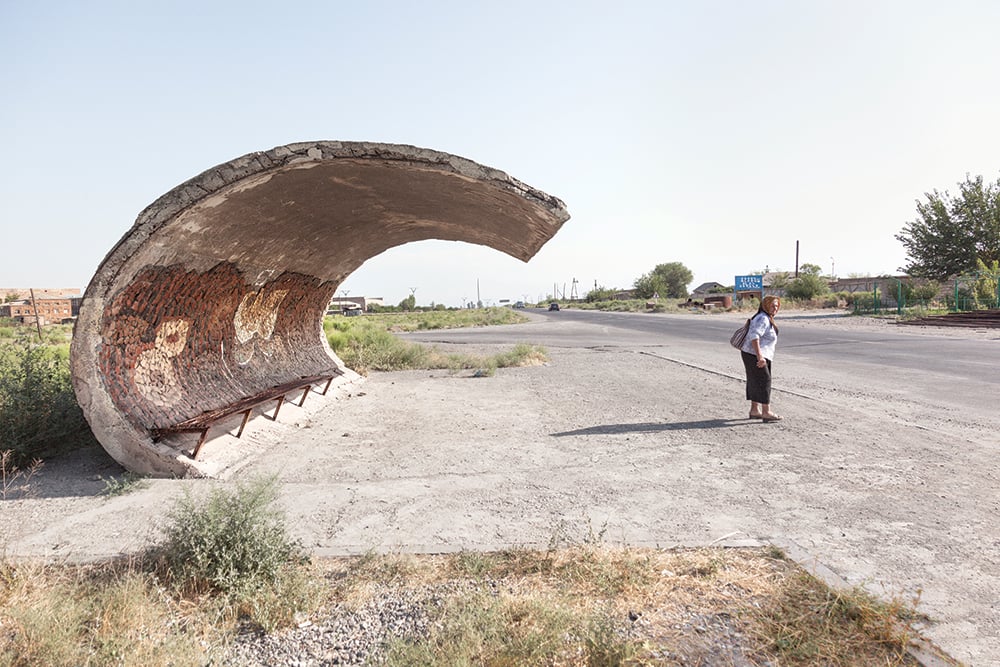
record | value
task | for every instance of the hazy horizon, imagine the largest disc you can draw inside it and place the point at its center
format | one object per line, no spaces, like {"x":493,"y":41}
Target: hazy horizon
{"x":716,"y":135}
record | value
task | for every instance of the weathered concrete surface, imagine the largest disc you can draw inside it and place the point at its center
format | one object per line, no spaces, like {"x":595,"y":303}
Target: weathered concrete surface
{"x":219,"y":289}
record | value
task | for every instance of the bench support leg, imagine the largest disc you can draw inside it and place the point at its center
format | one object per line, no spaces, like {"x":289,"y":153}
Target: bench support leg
{"x":281,"y":400}
{"x":201,"y":442}
{"x":327,"y":385}
{"x":246,"y":418}
{"x":305,"y":392}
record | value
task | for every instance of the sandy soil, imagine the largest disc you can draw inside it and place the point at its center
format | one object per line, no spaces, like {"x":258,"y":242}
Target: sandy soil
{"x":634,"y":442}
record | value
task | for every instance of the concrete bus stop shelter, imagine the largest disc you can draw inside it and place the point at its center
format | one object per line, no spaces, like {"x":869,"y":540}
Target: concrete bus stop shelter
{"x":211,"y":306}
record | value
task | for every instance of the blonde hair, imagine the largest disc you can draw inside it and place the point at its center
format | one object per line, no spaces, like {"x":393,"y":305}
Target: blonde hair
{"x":765,"y":303}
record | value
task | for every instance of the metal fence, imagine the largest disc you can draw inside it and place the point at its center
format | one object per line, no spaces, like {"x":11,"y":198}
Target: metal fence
{"x":977,"y":291}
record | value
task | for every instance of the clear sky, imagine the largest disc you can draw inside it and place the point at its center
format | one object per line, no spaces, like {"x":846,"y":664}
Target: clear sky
{"x":716,"y":134}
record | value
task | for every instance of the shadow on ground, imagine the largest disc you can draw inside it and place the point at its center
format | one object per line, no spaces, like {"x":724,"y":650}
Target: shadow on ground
{"x":654,"y":427}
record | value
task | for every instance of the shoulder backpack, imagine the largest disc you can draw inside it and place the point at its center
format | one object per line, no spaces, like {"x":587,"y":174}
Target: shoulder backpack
{"x":740,"y":335}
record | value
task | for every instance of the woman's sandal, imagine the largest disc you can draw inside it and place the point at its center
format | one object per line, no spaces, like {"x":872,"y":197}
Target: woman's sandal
{"x":753,"y":416}
{"x":770,"y":418}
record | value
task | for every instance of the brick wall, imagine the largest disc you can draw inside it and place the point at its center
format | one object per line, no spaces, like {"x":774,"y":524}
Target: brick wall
{"x":176,"y":343}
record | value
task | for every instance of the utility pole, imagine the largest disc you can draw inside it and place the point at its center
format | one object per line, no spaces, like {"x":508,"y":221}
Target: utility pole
{"x":34,"y":306}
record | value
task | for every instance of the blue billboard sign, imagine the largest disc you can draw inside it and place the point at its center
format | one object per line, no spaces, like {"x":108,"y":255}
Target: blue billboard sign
{"x":749,"y":283}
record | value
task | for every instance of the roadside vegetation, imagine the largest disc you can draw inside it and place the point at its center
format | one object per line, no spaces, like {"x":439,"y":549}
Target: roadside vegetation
{"x":918,"y":301}
{"x":39,"y":415}
{"x":225,"y":562}
{"x":227,"y":570}
{"x":367,"y":343}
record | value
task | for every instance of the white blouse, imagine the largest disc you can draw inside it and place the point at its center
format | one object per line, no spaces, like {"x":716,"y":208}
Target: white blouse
{"x":762,"y":329}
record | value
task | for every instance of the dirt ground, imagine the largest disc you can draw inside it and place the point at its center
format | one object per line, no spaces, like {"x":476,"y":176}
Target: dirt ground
{"x":629,"y":442}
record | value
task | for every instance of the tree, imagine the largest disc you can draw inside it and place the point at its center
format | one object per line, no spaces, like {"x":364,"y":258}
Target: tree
{"x":952,"y":234}
{"x":600,"y":294}
{"x":667,"y":280}
{"x":985,"y":286}
{"x":809,"y":284}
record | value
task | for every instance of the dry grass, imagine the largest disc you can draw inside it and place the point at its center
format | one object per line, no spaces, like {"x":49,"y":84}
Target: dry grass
{"x":577,"y":605}
{"x":15,"y":482}
{"x":106,"y":615}
{"x":592,"y":604}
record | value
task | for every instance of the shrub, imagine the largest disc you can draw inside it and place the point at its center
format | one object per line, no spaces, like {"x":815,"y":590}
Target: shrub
{"x":861,"y":301}
{"x":39,"y":415}
{"x":624,"y":305}
{"x":807,"y":286}
{"x":233,"y":542}
{"x":601,"y":294}
{"x":926,"y":291}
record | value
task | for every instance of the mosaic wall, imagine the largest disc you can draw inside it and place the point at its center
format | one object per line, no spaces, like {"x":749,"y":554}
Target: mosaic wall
{"x":175,"y":343}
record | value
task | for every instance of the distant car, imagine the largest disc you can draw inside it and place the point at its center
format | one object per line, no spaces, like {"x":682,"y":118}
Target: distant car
{"x":553,"y":306}
{"x":519,"y":304}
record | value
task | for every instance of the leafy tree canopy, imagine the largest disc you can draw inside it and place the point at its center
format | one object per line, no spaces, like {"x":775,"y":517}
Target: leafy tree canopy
{"x":668,"y":280}
{"x":810,"y":269}
{"x":951,"y":235}
{"x":600,"y":294}
{"x":808,"y":285}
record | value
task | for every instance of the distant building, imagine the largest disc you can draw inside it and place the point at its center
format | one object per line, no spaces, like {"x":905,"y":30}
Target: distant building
{"x":340,"y":304}
{"x":53,"y":305}
{"x":47,"y":311}
{"x":868,"y":283}
{"x":704,"y":289}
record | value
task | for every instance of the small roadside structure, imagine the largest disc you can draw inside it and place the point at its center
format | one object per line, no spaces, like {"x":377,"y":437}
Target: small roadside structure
{"x":705,"y":289}
{"x":209,"y":309}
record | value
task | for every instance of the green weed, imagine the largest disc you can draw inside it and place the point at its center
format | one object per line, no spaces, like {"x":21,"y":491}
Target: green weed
{"x":39,"y":415}
{"x":119,"y":486}
{"x":367,"y":343}
{"x":233,"y":542}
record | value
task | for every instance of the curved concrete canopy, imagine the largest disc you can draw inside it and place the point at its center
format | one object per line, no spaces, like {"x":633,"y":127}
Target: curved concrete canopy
{"x":218,"y":291}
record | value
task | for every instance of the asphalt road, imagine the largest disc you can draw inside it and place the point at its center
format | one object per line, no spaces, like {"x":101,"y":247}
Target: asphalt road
{"x":958,"y":372}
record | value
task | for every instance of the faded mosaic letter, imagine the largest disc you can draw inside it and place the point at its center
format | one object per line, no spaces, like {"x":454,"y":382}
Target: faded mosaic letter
{"x":257,"y":315}
{"x":256,"y":318}
{"x":155,"y":376}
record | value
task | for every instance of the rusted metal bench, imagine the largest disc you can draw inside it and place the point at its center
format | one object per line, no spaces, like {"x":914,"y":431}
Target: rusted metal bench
{"x":205,"y":420}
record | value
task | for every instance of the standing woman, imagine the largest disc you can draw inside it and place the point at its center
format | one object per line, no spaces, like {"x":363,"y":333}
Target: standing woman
{"x":757,"y":353}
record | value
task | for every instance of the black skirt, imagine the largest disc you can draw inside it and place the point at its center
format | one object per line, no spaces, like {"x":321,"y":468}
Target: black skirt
{"x":758,"y":379}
